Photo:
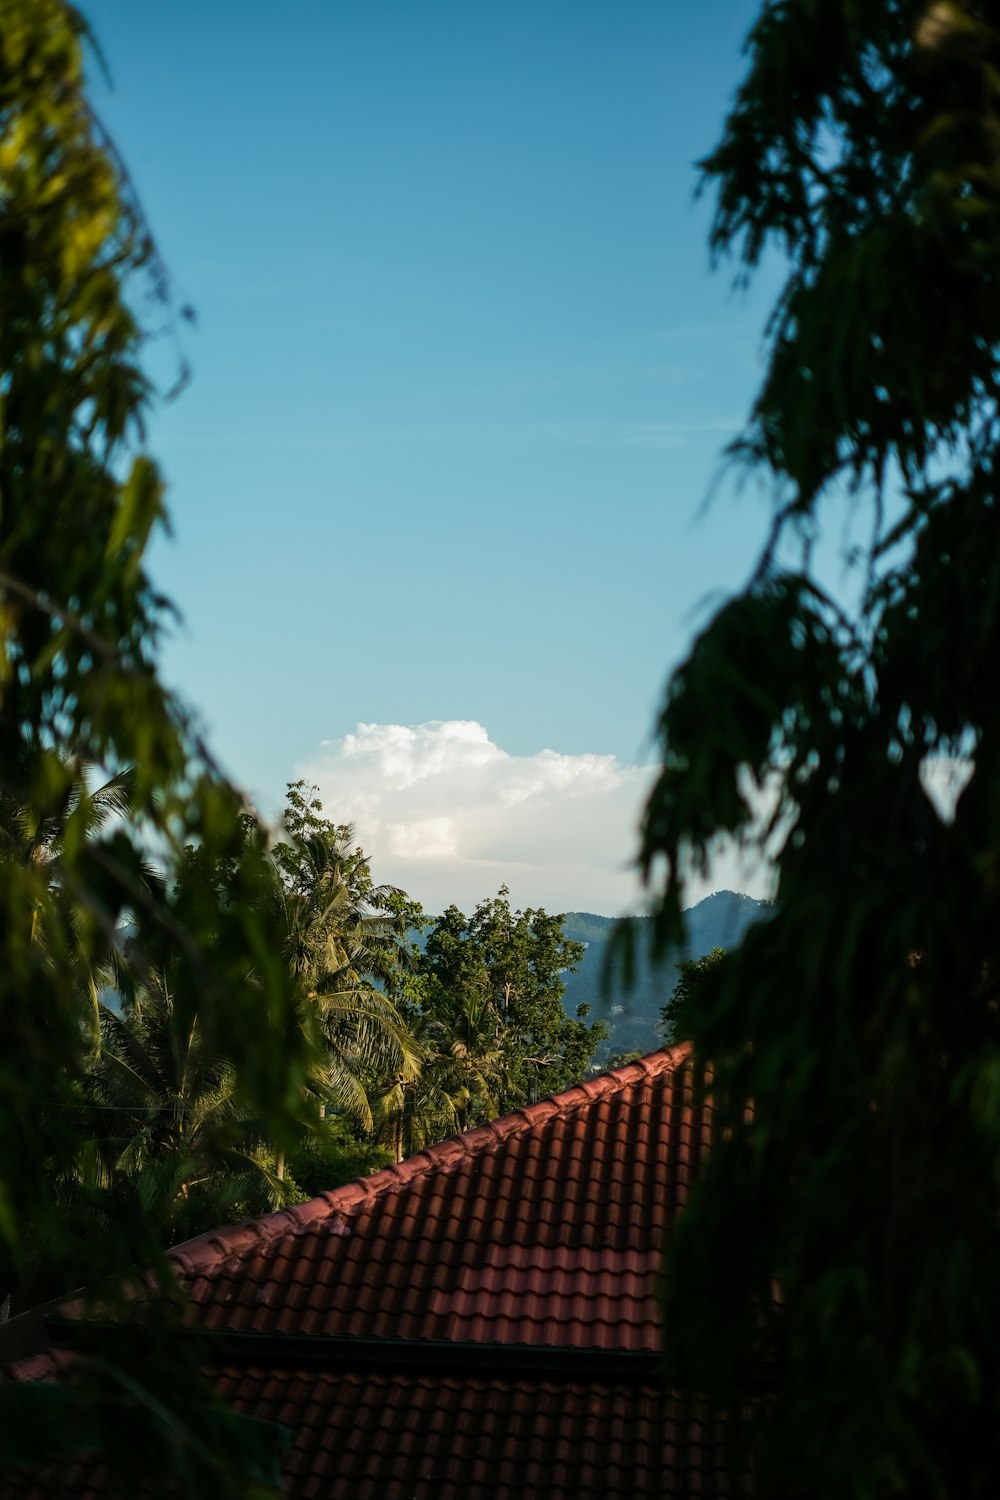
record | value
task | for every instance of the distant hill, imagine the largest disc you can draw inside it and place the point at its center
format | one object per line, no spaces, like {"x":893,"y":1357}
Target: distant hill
{"x":633,"y":1018}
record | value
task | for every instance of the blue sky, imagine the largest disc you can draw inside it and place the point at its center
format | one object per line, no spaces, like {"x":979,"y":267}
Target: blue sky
{"x":461,"y":382}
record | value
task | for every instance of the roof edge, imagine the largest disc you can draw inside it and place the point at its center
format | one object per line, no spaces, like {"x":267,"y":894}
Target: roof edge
{"x":207,"y":1252}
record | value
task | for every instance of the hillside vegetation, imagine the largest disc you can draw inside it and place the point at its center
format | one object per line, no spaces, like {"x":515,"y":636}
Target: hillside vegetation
{"x":633,"y":1016}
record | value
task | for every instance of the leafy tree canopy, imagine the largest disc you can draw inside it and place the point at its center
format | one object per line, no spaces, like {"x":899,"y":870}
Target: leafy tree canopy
{"x":842,"y":1246}
{"x":695,"y":979}
{"x":499,"y":971}
{"x":80,"y":622}
{"x":348,"y":945}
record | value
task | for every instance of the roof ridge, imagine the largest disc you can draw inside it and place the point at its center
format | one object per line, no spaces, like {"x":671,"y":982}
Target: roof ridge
{"x":210,"y":1251}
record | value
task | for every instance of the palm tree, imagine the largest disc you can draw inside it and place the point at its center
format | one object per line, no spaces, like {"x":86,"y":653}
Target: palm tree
{"x":419,"y":1106}
{"x":173,"y":1129}
{"x":478,"y":1059}
{"x":460,"y":1039}
{"x":34,"y":838}
{"x":346,"y":944}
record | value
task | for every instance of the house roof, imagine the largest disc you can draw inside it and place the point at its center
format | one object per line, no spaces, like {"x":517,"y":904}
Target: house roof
{"x":480,"y":1320}
{"x":543,"y":1228}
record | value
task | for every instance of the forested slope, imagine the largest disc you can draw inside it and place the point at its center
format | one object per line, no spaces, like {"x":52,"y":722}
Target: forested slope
{"x":719,"y":921}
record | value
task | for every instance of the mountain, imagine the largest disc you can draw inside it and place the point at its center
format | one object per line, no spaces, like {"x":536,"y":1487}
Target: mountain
{"x":719,"y":921}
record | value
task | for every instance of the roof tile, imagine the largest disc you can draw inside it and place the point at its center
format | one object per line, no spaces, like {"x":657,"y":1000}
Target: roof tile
{"x":542,"y":1231}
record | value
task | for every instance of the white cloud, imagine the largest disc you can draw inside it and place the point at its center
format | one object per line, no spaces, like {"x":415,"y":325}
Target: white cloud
{"x":449,"y":815}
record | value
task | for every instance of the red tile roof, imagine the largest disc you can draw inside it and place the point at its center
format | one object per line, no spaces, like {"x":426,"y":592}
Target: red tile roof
{"x":546,"y":1227}
{"x":480,"y":1320}
{"x":389,"y":1435}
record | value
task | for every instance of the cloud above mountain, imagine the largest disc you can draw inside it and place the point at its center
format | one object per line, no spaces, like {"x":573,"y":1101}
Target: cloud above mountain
{"x":449,"y":815}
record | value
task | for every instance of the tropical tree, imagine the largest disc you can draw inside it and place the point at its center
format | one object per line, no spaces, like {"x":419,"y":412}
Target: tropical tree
{"x":79,"y":622}
{"x":476,"y":1053}
{"x":182,"y":1138}
{"x":832,"y":1284}
{"x":173,"y":1129}
{"x":334,"y":1153}
{"x":34,"y":841}
{"x":420,"y":1105}
{"x":695,"y":978}
{"x":459,"y":1034}
{"x":347,"y":944}
{"x":497,"y":986}
{"x":341,"y":925}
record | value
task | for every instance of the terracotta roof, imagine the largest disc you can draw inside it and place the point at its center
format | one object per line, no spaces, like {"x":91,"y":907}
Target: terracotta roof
{"x":546,"y":1227}
{"x":480,"y":1320}
{"x":385,"y":1436}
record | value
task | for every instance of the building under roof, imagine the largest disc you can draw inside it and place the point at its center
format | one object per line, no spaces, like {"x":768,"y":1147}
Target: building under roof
{"x":480,"y":1320}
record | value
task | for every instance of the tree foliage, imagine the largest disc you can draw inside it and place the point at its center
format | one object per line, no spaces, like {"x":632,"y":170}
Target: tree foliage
{"x":841,"y":1249}
{"x":495,"y":983}
{"x":80,"y":621}
{"x":347,"y":943}
{"x":696,"y":977}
